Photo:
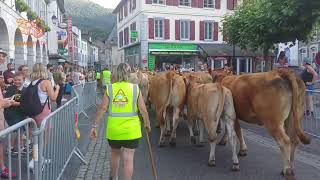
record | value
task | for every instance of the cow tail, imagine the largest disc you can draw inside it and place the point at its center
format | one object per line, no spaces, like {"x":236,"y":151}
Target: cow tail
{"x":221,"y":101}
{"x":297,"y":102}
{"x":170,"y":76}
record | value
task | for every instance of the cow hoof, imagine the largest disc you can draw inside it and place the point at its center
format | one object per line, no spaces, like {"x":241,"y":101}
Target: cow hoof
{"x":287,"y":173}
{"x":222,"y":143}
{"x":193,"y":140}
{"x":161,"y":145}
{"x":243,"y":153}
{"x":173,"y":142}
{"x":235,"y":167}
{"x":212,"y":163}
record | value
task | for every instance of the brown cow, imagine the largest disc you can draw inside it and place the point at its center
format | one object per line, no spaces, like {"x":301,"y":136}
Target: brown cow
{"x":167,"y":93}
{"x":276,"y":100}
{"x":142,"y":80}
{"x":208,"y":104}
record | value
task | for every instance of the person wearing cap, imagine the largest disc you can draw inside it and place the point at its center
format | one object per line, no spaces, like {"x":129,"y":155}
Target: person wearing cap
{"x":309,"y":77}
{"x":4,"y":103}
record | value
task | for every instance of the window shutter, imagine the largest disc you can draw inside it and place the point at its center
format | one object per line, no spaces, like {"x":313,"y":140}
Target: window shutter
{"x":166,"y":29}
{"x":169,"y":2}
{"x":148,"y":1}
{"x":218,"y":4}
{"x":177,"y":27}
{"x":201,"y":30}
{"x":151,"y":28}
{"x":235,"y":4}
{"x":215,"y":31}
{"x":200,"y":3}
{"x":125,"y":10}
{"x":134,"y":4}
{"x":175,"y":2}
{"x":130,"y":6}
{"x":230,"y":4}
{"x":192,"y":30}
{"x":194,"y":3}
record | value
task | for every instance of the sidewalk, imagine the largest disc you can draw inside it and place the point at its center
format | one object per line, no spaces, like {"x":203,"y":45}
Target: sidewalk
{"x":98,"y":158}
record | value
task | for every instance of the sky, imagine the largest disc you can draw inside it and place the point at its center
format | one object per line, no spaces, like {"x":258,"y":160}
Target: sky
{"x":107,"y":3}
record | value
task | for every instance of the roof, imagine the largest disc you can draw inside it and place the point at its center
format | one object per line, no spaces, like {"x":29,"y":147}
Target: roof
{"x":113,"y":37}
{"x":118,"y":6}
{"x":227,"y":50}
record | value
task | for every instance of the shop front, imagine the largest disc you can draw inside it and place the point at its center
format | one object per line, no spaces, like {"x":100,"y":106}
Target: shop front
{"x":132,"y":55}
{"x":176,"y":54}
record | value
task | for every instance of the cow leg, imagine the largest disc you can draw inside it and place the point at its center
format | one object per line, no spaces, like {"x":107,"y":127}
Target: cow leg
{"x":243,"y":146}
{"x":190,"y":127}
{"x":201,"y":129}
{"x":224,"y":138}
{"x":168,"y":122}
{"x":283,"y":140}
{"x":294,"y":143}
{"x":176,"y":118}
{"x":233,"y":142}
{"x":161,"y":122}
{"x":211,"y":128}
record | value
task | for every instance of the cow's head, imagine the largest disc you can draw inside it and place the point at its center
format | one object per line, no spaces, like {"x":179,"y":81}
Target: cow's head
{"x":190,"y":79}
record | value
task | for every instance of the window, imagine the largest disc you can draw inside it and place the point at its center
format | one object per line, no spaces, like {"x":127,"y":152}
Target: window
{"x":184,"y":2}
{"x":133,"y":28}
{"x":208,"y":31}
{"x":208,"y":3}
{"x":185,"y":30}
{"x":134,"y":4}
{"x":159,"y":28}
{"x":121,"y":39}
{"x":158,"y":1}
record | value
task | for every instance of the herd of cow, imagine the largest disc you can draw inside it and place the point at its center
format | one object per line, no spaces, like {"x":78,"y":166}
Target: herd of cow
{"x":273,"y":99}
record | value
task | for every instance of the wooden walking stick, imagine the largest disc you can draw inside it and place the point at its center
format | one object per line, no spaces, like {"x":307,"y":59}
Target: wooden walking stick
{"x":154,"y":170}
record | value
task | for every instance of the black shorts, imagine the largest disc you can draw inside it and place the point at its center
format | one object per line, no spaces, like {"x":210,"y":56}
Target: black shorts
{"x":129,"y":144}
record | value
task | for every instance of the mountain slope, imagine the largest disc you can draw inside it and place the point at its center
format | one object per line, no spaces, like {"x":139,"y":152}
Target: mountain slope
{"x":91,"y":17}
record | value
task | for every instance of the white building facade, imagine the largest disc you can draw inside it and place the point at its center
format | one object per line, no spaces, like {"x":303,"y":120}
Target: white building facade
{"x":151,"y":32}
{"x":22,"y":46}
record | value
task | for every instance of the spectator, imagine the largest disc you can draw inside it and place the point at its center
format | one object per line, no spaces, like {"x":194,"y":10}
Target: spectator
{"x":69,"y":84}
{"x":283,"y":59}
{"x":25,"y":71}
{"x":59,"y":78}
{"x":50,"y":75}
{"x":9,"y":74}
{"x":309,"y":77}
{"x":2,"y":84}
{"x":45,"y":93}
{"x":14,"y":113}
{"x":4,"y":103}
{"x":123,"y":140}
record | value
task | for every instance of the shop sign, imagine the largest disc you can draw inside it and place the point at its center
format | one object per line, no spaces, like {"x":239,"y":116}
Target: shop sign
{"x":151,"y":62}
{"x":61,"y":33}
{"x":62,"y":51}
{"x":30,"y":28}
{"x":173,"y":46}
{"x":134,"y":34}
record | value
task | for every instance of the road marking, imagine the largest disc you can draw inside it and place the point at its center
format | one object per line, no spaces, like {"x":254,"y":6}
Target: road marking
{"x":302,"y":156}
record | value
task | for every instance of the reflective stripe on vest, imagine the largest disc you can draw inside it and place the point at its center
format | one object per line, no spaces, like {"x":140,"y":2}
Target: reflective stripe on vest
{"x":133,"y":113}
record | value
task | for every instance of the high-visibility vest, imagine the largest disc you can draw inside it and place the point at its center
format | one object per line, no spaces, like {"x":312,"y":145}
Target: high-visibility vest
{"x":123,"y":119}
{"x":98,"y":75}
{"x":106,"y":77}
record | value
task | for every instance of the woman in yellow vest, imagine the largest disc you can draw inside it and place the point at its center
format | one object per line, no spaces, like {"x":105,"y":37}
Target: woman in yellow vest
{"x":122,"y":100}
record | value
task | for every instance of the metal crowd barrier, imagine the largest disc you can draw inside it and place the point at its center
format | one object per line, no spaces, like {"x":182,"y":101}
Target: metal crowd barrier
{"x":311,"y":124}
{"x":89,"y":91}
{"x":58,"y":141}
{"x":21,"y":163}
{"x":77,"y":91}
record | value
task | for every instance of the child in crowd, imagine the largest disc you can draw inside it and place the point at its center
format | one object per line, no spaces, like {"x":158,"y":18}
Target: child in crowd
{"x":68,"y":86}
{"x":14,"y":113}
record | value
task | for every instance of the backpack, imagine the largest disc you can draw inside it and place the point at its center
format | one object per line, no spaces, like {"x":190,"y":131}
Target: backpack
{"x":30,"y":101}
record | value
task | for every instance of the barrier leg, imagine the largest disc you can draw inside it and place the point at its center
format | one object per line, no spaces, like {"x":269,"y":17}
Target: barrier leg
{"x":78,"y":153}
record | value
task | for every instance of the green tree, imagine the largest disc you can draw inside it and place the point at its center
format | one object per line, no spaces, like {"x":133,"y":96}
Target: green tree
{"x":259,"y":24}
